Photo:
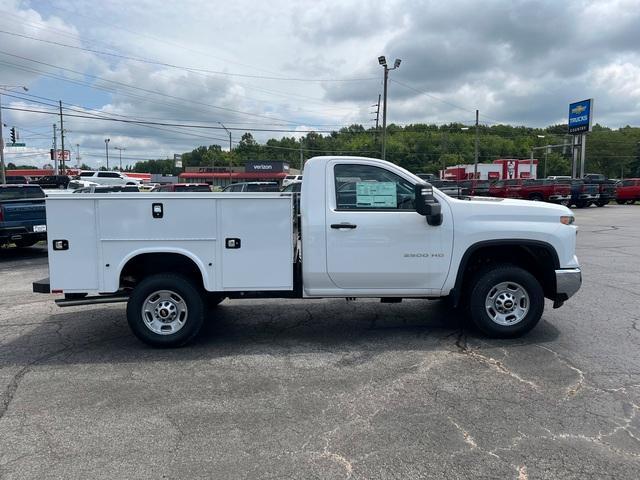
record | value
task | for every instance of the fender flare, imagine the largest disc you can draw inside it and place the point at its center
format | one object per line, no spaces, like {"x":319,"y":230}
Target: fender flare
{"x":457,"y":288}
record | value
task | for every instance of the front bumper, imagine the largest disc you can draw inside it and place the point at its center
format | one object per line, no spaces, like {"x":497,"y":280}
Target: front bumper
{"x":568,"y":282}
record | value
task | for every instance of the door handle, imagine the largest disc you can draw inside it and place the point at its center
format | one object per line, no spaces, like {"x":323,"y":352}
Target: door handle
{"x":343,"y":225}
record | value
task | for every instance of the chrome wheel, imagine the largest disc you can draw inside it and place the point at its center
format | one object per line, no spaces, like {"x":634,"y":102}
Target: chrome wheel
{"x":507,"y":303}
{"x":164,"y":312}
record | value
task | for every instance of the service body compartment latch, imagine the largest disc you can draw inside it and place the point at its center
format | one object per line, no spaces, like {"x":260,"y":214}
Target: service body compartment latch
{"x":232,"y":243}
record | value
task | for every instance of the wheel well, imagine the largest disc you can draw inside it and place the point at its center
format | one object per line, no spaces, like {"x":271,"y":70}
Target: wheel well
{"x":145,"y":264}
{"x":537,"y":258}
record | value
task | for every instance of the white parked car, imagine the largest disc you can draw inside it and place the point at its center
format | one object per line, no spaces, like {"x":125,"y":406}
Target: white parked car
{"x":107,"y":178}
{"x":76,"y":184}
{"x":291,"y":179}
{"x":365,"y":228}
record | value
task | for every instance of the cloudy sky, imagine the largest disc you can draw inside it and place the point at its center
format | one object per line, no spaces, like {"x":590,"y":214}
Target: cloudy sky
{"x":297,"y":66}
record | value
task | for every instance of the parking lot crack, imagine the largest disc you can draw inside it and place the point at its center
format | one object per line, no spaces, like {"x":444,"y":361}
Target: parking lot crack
{"x":491,"y":362}
{"x":14,"y":383}
{"x":468,"y":439}
{"x":577,"y":386}
{"x":522,"y":473}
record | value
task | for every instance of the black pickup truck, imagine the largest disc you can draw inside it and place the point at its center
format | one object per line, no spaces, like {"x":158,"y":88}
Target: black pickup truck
{"x":22,"y":215}
{"x":606,"y":188}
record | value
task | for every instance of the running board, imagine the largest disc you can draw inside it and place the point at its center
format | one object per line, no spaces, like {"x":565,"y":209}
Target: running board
{"x":63,"y":302}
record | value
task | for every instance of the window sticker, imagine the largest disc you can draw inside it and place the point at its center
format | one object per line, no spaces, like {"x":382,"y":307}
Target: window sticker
{"x":376,"y":194}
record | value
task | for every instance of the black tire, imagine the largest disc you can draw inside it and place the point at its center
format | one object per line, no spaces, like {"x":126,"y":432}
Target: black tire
{"x":25,"y":242}
{"x":621,"y":202}
{"x":536,"y":197}
{"x":602,"y":203}
{"x":581,"y":204}
{"x":185,"y":290}
{"x":631,"y":202}
{"x":565,"y":203}
{"x":483,"y":284}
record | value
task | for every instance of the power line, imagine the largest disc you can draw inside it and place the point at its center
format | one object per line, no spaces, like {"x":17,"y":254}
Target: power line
{"x":166,"y":95}
{"x":189,"y":69}
{"x":441,"y":100}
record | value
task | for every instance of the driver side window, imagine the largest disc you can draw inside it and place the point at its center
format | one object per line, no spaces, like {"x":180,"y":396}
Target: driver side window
{"x":365,"y":187}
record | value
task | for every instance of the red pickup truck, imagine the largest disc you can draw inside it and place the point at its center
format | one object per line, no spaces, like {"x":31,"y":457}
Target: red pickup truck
{"x":628,"y":191}
{"x":537,"y":190}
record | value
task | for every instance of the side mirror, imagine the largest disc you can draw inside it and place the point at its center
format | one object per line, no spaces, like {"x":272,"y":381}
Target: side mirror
{"x":427,"y":204}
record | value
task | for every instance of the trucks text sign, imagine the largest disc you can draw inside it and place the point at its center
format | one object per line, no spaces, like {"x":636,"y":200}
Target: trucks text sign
{"x":580,"y":116}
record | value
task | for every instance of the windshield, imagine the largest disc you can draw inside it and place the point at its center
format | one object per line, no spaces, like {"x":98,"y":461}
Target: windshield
{"x":20,"y":192}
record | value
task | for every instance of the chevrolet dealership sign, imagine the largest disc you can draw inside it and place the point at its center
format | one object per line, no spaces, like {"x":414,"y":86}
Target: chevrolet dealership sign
{"x":580,"y":116}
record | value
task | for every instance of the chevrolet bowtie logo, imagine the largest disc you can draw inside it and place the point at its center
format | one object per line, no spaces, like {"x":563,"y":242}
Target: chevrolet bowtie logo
{"x":578,"y":110}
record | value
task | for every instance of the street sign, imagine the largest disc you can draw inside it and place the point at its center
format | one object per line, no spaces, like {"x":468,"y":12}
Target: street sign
{"x":177,"y":158}
{"x":16,"y":144}
{"x":580,"y":116}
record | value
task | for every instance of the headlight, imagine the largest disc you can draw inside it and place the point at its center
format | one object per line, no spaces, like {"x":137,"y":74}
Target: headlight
{"x":567,"y":219}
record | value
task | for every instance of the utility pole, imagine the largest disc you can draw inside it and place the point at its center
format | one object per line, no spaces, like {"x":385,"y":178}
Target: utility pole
{"x":384,"y":115}
{"x":3,"y":175}
{"x":383,"y":61}
{"x":230,"y":145}
{"x":445,"y":147}
{"x":78,"y":156}
{"x":546,"y":156}
{"x":377,"y":105}
{"x":301,"y":158}
{"x":62,"y":138}
{"x":55,"y":150}
{"x":475,"y":156}
{"x":120,"y":149}
{"x":106,"y":148}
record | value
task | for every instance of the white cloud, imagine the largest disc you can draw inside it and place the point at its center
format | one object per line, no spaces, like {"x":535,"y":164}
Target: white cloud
{"x":517,"y":61}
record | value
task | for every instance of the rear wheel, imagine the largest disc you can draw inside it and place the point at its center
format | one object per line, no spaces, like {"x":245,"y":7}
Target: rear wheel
{"x":25,"y":242}
{"x":166,"y":310}
{"x":536,"y":197}
{"x":581,"y":204}
{"x":631,"y":202}
{"x":621,"y":202}
{"x":602,"y":203}
{"x":506,"y":301}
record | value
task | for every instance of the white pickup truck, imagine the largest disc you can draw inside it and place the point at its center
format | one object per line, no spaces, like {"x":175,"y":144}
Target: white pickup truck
{"x":365,"y":228}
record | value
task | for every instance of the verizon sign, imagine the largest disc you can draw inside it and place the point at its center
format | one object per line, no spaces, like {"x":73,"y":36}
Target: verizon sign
{"x":271,"y":167}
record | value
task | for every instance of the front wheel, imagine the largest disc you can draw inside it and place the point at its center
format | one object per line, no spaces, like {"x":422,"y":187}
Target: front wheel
{"x":506,"y":301}
{"x":166,"y":310}
{"x":621,"y":202}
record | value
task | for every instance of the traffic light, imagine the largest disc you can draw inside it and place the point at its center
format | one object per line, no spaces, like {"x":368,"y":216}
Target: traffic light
{"x":13,"y":134}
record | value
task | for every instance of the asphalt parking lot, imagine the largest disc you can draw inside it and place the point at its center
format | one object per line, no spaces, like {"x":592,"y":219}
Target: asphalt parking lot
{"x":329,"y":389}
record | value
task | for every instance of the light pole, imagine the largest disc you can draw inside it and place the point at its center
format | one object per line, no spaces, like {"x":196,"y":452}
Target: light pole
{"x":106,"y":148}
{"x":383,"y":61}
{"x":531,"y":160}
{"x":120,"y":149}
{"x":475,"y":148}
{"x":3,"y":176}
{"x":230,"y":145}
